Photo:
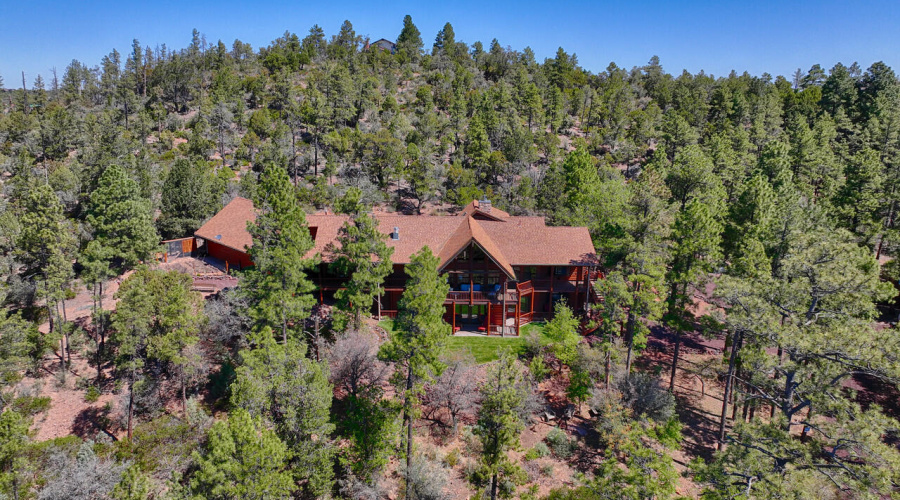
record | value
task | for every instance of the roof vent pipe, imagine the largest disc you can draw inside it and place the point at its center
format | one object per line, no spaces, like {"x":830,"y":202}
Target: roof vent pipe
{"x":396,"y":234}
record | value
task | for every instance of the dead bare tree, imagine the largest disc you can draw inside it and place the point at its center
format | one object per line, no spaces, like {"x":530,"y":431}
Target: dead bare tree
{"x":355,"y":367}
{"x":455,"y":391}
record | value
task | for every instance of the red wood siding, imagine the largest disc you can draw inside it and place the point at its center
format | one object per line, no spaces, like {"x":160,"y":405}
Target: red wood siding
{"x":234,"y":258}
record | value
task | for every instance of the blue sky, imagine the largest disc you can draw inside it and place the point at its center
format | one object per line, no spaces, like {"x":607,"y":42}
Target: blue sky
{"x":753,"y":35}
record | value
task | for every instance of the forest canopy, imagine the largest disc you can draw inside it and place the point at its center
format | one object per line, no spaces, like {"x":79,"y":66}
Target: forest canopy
{"x":754,"y":212}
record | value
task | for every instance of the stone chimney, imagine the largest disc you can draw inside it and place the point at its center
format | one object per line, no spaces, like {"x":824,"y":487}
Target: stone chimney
{"x":396,"y":234}
{"x":485,"y":205}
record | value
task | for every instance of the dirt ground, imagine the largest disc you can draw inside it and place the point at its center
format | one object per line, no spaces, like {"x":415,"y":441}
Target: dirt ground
{"x":698,"y":393}
{"x":69,"y":413}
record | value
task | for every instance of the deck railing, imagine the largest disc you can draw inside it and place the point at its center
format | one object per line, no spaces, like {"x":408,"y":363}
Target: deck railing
{"x":481,"y":296}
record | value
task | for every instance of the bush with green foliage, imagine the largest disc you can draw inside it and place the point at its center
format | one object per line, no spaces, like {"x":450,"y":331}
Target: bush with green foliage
{"x":646,"y":397}
{"x":538,"y":368}
{"x":426,"y":480}
{"x":560,"y":443}
{"x":539,"y":450}
{"x":92,"y":394}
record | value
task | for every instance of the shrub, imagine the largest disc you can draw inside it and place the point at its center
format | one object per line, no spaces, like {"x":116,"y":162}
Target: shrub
{"x":31,"y":405}
{"x":427,"y":480}
{"x":540,"y":450}
{"x":92,"y":394}
{"x":452,"y":458}
{"x":472,"y":443}
{"x":538,"y":368}
{"x":560,"y":444}
{"x":669,"y":434}
{"x":533,"y":346}
{"x":646,"y":397}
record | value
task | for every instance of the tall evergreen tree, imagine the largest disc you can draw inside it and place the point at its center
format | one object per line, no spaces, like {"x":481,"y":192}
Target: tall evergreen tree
{"x":365,"y":256}
{"x":280,"y":384}
{"x":242,"y":459}
{"x":190,"y":195}
{"x":121,"y":219}
{"x":419,"y":334}
{"x":696,"y":238}
{"x":409,"y":42}
{"x":13,"y":444}
{"x":279,"y":287}
{"x":500,"y":419}
{"x":46,"y":247}
{"x":816,"y":307}
{"x":157,"y":318}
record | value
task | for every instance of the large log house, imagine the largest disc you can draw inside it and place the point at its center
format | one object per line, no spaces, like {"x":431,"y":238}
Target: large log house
{"x":503,"y":270}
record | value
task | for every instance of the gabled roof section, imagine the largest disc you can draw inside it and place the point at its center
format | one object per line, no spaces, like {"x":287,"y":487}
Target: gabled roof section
{"x":508,"y":241}
{"x":468,"y":231}
{"x":415,"y":231}
{"x":527,"y":241}
{"x":229,"y":226}
{"x":485,"y":211}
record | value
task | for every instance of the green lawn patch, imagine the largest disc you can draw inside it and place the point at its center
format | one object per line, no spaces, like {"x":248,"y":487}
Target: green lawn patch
{"x":485,"y":348}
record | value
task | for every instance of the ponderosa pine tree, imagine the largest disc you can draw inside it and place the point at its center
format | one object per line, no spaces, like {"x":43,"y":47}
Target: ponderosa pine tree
{"x":121,"y":220}
{"x":280,"y":384}
{"x":46,"y":246}
{"x":419,"y":334}
{"x":189,"y":196}
{"x":816,"y":307}
{"x":504,"y":395}
{"x":96,"y":269}
{"x":242,"y":459}
{"x":278,"y":286}
{"x":562,"y":330}
{"x":365,"y":256}
{"x":639,"y":258}
{"x":157,"y":318}
{"x":696,"y":236}
{"x":13,"y":443}
{"x":409,"y":42}
{"x":21,"y":345}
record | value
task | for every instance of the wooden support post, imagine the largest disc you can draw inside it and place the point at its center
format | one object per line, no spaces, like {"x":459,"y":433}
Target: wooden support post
{"x":453,"y":315}
{"x":503,"y":289}
{"x":488,"y":318}
{"x":531,"y":301}
{"x":587,"y":290}
{"x":550,"y":302}
{"x":518,"y":319}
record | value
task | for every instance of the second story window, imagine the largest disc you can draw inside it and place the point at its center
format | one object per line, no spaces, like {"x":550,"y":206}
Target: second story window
{"x":560,"y":271}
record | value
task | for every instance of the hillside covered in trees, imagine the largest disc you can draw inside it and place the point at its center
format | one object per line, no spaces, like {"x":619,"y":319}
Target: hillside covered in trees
{"x":753,"y":216}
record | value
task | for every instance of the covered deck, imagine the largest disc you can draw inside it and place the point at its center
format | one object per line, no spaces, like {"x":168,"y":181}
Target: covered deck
{"x":489,"y":312}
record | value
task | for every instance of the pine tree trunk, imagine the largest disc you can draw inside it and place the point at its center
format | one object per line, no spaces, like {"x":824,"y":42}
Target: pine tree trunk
{"x":788,"y":400}
{"x":407,"y":415}
{"x":65,"y":323}
{"x":629,"y":339}
{"x":675,"y":360}
{"x":130,"y":406}
{"x":607,"y":366}
{"x":732,"y":360}
{"x":780,"y":360}
{"x":494,"y":487}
